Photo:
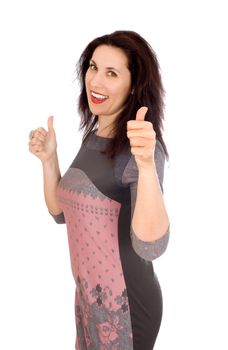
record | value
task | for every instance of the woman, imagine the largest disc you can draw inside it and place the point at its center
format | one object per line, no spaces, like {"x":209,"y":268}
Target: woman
{"x":111,"y":196}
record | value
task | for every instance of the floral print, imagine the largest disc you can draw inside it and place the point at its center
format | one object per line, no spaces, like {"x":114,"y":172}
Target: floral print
{"x":99,"y":327}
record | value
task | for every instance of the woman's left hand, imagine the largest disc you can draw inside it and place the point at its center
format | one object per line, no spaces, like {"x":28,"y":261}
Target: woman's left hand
{"x":142,"y":138}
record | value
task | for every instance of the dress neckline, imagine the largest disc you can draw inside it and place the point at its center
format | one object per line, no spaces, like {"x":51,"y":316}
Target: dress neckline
{"x":97,"y":142}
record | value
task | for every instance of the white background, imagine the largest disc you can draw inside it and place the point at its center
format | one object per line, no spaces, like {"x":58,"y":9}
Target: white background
{"x":41,"y":42}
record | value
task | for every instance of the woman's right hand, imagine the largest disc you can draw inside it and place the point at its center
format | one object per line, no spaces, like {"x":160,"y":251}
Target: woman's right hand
{"x":43,"y":143}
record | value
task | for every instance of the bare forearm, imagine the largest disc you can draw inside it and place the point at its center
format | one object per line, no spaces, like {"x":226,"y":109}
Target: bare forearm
{"x":150,"y":220}
{"x":51,"y":176}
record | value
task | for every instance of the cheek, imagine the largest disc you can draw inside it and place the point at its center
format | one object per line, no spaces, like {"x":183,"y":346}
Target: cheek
{"x":87,"y":78}
{"x":123,"y":93}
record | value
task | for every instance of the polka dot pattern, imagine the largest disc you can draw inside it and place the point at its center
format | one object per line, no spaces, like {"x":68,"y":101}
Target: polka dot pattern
{"x":92,"y":226}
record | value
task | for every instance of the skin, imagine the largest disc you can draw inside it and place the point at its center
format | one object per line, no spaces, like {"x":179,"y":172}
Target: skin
{"x":43,"y":145}
{"x":115,"y":84}
{"x":142,"y":138}
{"x":149,"y":199}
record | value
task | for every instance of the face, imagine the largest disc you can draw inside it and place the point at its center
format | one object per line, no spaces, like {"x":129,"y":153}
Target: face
{"x":108,"y":81}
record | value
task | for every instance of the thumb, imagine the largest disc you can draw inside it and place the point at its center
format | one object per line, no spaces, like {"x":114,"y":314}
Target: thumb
{"x":140,"y":115}
{"x":50,"y":123}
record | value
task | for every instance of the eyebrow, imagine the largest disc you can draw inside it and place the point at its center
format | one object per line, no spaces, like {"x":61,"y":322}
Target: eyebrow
{"x":108,"y":68}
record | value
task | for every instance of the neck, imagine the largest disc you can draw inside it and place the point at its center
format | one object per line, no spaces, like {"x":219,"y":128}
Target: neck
{"x":105,"y":128}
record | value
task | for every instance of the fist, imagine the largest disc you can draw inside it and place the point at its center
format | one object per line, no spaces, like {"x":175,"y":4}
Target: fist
{"x":142,"y":138}
{"x":43,"y":143}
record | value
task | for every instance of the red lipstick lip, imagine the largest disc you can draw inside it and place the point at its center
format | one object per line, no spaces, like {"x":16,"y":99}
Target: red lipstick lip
{"x":96,"y":100}
{"x":98,"y":93}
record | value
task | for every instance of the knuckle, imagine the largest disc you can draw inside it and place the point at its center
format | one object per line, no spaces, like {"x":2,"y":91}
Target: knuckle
{"x":132,"y":142}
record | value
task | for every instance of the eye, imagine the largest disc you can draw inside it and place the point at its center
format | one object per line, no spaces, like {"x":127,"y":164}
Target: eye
{"x":92,"y":66}
{"x":112,"y":74}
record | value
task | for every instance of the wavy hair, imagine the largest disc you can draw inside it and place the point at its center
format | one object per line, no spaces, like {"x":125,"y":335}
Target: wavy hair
{"x":147,"y":88}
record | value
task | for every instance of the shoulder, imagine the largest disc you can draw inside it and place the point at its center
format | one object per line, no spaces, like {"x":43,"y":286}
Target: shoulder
{"x":159,"y":155}
{"x":159,"y":150}
{"x":121,"y":164}
{"x":126,"y":170}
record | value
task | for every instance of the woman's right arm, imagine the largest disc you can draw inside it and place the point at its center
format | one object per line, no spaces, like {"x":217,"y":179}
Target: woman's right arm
{"x":51,"y":176}
{"x":44,"y":146}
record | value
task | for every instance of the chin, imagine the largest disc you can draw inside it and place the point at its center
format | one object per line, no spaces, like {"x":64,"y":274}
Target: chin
{"x":96,"y":110}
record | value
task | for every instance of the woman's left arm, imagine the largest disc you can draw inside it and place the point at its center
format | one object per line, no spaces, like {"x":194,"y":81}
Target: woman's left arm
{"x":150,"y":219}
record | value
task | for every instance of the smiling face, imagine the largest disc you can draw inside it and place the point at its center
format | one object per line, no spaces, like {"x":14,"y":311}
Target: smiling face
{"x":108,"y":82}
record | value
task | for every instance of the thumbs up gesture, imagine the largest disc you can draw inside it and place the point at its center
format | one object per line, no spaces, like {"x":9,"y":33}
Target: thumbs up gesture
{"x":142,"y":139}
{"x":43,"y":143}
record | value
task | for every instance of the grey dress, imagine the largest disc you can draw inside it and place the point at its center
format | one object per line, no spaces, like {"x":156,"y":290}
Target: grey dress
{"x":118,"y":301}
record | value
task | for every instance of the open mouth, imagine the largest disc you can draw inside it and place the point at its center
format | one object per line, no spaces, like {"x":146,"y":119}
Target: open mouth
{"x":98,"y":98}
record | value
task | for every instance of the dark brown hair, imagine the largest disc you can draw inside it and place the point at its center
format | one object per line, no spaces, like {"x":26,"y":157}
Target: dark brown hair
{"x":146,"y":86}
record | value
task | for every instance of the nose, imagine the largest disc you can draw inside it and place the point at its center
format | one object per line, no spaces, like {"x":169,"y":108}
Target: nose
{"x":97,"y":80}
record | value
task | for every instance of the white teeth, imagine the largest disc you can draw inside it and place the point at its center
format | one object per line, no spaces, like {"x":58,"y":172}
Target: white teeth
{"x":100,"y":97}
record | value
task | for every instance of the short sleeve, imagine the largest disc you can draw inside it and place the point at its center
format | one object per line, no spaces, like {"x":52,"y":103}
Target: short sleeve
{"x":59,"y":219}
{"x":146,"y":250}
